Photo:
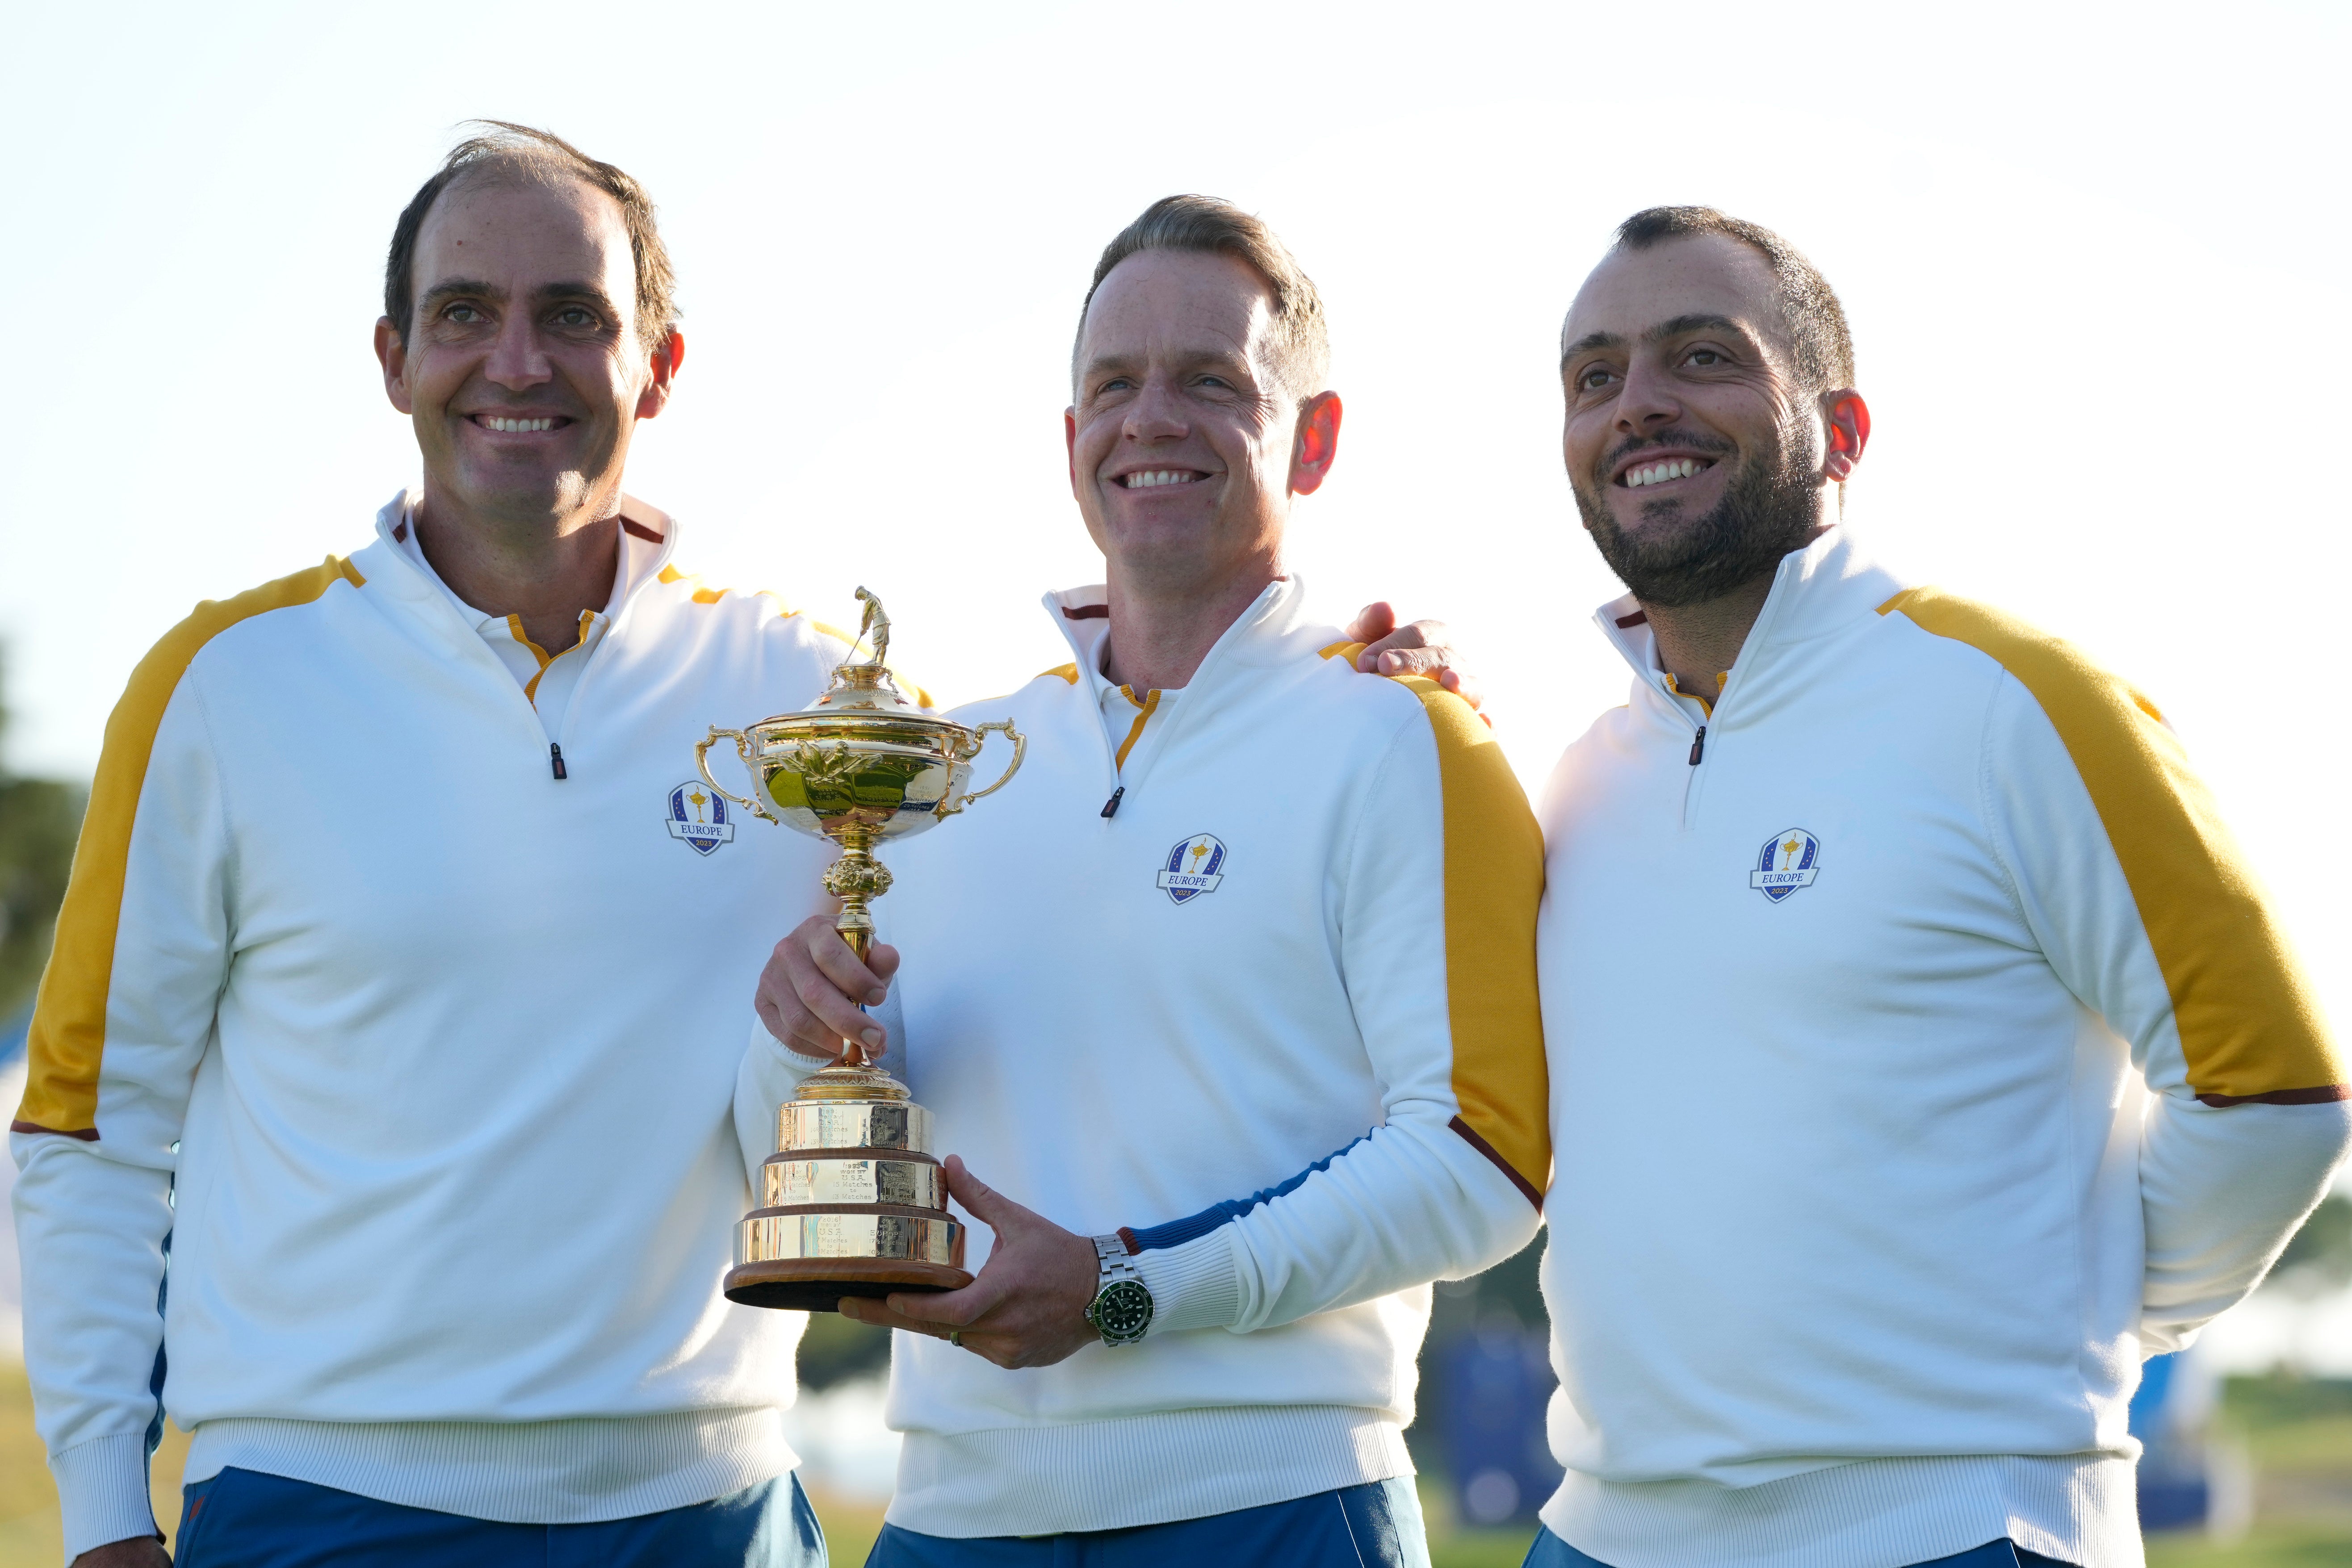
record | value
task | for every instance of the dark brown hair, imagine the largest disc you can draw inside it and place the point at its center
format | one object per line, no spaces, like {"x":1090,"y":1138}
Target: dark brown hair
{"x":501,"y":149}
{"x":1302,"y":343}
{"x":1809,"y":306}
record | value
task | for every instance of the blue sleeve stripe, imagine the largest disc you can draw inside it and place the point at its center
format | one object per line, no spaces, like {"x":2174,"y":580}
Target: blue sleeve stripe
{"x":1177,"y":1232}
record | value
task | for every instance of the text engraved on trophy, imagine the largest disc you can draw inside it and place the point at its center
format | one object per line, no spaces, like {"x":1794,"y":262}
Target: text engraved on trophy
{"x":852,"y":1124}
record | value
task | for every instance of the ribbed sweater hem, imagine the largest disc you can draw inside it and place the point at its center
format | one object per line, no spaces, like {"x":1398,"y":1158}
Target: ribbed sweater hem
{"x":578,"y":1471}
{"x":1138,"y":1469}
{"x":1872,"y":1513}
{"x":103,"y":1491}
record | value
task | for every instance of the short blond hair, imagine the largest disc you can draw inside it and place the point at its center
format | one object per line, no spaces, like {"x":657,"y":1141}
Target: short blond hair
{"x":1302,"y":343}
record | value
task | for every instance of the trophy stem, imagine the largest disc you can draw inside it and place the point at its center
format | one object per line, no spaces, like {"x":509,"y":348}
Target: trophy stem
{"x":856,"y":879}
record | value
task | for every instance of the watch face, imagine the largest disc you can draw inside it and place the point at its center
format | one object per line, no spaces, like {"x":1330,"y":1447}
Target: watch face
{"x":1123,"y":1311}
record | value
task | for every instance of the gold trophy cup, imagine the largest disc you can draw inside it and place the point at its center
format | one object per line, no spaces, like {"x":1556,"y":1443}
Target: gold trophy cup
{"x":853,"y":1202}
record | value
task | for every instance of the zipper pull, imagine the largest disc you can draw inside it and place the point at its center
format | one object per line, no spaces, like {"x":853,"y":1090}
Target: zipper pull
{"x":1110,"y":806}
{"x":1699,"y":747}
{"x":555,"y":759}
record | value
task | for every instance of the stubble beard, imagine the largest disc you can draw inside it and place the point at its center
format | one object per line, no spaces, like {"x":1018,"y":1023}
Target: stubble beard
{"x":1770,"y":507}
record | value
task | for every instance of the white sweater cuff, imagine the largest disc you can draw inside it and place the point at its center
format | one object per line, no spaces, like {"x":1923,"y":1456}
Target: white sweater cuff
{"x":2222,"y":1188}
{"x":797,"y":1064}
{"x":1195,"y":1285}
{"x":102,"y":1492}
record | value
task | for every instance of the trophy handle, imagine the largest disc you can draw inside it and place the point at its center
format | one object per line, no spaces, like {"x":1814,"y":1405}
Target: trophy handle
{"x":742,"y":750}
{"x":1020,"y":749}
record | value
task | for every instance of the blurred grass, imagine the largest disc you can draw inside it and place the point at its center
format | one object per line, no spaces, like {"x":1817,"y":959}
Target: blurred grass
{"x":849,"y":1528}
{"x":1480,"y":1548}
{"x":2319,"y":1546}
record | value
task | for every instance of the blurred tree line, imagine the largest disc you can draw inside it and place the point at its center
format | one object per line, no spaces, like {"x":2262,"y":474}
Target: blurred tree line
{"x":2318,"y":1258}
{"x":38,"y":821}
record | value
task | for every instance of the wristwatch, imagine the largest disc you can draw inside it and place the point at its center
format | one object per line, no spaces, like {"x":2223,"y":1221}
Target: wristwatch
{"x":1122,"y":1309}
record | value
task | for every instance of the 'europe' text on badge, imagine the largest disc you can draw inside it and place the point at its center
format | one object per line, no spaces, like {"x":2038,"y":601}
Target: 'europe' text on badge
{"x":697,"y":818}
{"x":1791,"y":859}
{"x":1192,"y":868}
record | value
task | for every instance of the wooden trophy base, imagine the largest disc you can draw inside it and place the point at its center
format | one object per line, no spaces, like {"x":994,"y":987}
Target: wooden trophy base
{"x":818,"y":1284}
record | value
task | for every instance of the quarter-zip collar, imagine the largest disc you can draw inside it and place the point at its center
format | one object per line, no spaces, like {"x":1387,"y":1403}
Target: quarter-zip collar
{"x":1828,"y":587}
{"x":1273,"y":628}
{"x":642,"y":558}
{"x":395,"y":565}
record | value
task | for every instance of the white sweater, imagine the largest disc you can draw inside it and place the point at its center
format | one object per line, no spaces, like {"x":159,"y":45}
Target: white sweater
{"x":1275,"y":1015}
{"x":440,"y":1051}
{"x":1922,"y":1057}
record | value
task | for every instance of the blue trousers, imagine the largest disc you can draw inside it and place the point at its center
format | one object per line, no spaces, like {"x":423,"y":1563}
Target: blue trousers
{"x":1376,"y":1525}
{"x":1550,"y":1552}
{"x":243,"y":1519}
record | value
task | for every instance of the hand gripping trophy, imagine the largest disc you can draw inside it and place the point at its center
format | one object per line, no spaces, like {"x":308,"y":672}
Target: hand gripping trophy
{"x":853,"y":1203}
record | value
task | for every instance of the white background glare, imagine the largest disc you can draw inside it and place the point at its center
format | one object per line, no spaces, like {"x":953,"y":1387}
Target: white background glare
{"x":2093,"y":255}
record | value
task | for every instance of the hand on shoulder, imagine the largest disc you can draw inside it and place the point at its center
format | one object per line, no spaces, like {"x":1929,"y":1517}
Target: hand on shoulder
{"x":1419,"y":647}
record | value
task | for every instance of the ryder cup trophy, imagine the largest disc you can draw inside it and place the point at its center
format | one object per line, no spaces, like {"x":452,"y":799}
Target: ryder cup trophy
{"x":853,"y":1202}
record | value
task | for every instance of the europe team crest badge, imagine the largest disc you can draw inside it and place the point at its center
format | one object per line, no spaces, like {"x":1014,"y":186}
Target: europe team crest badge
{"x":1191,"y":868}
{"x":697,"y":818}
{"x":1791,"y":859}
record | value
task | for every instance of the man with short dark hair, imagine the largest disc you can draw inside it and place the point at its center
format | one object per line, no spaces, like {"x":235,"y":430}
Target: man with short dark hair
{"x":395,"y":994}
{"x":1924,"y":1054}
{"x":1231,"y":995}
{"x":379,"y":998}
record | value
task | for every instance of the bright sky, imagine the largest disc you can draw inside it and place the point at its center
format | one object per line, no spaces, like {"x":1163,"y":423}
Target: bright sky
{"x":2084,"y":249}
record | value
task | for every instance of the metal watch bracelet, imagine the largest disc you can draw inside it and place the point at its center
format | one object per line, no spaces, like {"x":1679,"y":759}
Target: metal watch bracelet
{"x":1122,"y":1307}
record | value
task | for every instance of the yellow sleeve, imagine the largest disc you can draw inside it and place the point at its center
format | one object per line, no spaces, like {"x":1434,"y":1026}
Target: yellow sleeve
{"x":1494,"y":884}
{"x":2248,"y":1019}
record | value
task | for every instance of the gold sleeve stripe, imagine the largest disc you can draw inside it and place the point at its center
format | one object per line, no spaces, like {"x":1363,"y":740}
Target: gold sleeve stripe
{"x":2248,"y":1019}
{"x":705,"y":596}
{"x":1494,"y":882}
{"x":1347,"y":650}
{"x":68,"y":1032}
{"x":701,"y":595}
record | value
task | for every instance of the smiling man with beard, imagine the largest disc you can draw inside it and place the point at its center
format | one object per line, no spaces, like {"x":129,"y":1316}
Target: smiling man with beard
{"x":1924,"y":1054}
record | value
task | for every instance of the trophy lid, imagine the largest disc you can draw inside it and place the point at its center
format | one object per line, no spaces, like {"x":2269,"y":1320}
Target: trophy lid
{"x":864,"y":685}
{"x":862,"y":689}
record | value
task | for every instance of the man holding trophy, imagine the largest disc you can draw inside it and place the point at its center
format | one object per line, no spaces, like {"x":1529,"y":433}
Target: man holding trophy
{"x":1232,"y":992}
{"x":381,"y":1005}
